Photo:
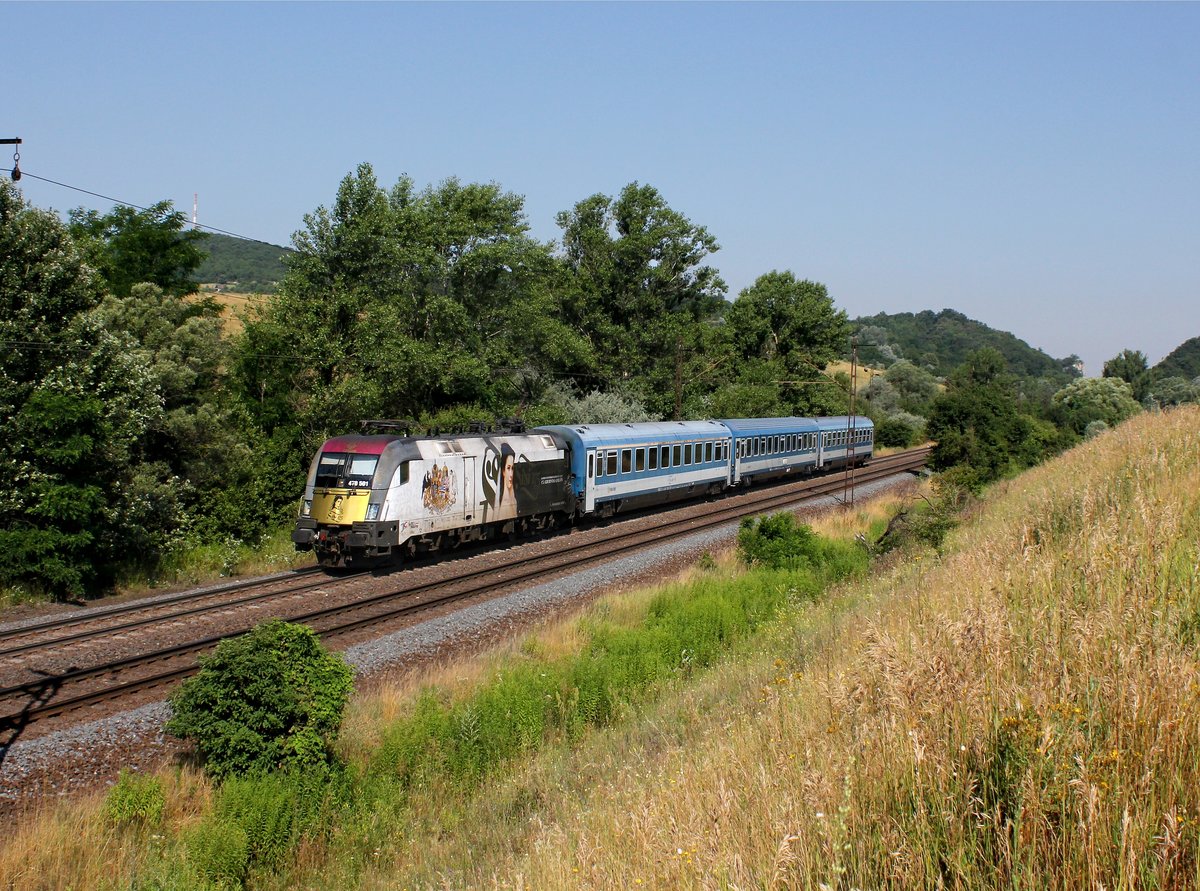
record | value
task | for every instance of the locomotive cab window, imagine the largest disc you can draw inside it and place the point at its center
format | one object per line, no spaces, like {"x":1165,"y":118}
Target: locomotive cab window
{"x":341,"y":470}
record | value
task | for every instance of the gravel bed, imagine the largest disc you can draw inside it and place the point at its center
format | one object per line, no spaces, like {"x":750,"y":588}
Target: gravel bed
{"x":112,"y":603}
{"x":89,"y":756}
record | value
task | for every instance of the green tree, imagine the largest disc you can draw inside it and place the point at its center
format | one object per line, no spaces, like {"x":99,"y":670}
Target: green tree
{"x":914,"y":386}
{"x":1131,"y":367}
{"x":1107,"y":399}
{"x":640,"y":294}
{"x":215,"y":475}
{"x":793,"y":320}
{"x":129,"y":246}
{"x":77,"y":405}
{"x":269,"y":699}
{"x":405,"y":301}
{"x":976,"y":422}
{"x":1175,"y":390}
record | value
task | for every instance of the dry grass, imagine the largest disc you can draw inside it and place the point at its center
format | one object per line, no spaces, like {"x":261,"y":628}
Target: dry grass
{"x":237,"y":306}
{"x":1024,"y":713}
{"x":74,"y":846}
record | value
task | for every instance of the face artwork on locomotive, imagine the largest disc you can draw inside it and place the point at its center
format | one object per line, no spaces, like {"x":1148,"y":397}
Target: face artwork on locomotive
{"x":438,"y":489}
{"x":499,"y":483}
{"x":335,"y":510}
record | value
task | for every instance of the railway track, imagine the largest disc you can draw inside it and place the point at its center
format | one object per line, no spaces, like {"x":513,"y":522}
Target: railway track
{"x":51,"y":688}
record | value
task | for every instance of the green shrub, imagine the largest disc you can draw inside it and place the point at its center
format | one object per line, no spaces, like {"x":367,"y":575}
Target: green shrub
{"x":134,"y":800}
{"x":271,"y":698}
{"x":779,"y":541}
{"x":219,"y":851}
{"x":273,"y":810}
{"x":776,"y":541}
{"x":895,"y":433}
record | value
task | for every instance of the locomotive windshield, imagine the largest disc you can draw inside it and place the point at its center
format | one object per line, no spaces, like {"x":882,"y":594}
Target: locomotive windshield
{"x":341,"y":470}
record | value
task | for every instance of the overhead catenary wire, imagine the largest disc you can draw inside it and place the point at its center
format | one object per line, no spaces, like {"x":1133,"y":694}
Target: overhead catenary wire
{"x":26,"y":173}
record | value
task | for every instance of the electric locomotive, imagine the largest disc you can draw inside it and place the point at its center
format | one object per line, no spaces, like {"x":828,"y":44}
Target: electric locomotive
{"x":369,"y":497}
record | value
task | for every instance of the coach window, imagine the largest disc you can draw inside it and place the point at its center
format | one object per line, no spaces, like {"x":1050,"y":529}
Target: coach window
{"x":612,"y":463}
{"x":653,"y":457}
{"x":676,"y":455}
{"x":687,"y":454}
{"x":640,"y":460}
{"x":591,"y":464}
{"x":708,"y":452}
{"x":626,"y":460}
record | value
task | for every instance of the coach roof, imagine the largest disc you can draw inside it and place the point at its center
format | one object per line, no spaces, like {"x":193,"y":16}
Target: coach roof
{"x":598,"y":435}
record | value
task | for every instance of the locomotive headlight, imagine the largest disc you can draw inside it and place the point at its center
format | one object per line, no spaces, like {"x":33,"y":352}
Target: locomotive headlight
{"x":372,"y":511}
{"x":306,"y":508}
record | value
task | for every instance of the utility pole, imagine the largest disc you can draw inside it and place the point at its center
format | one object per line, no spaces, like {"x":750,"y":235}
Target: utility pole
{"x":16,"y":168}
{"x":848,"y":499}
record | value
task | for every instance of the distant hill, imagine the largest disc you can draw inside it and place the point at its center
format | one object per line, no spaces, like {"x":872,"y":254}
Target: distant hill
{"x":941,"y":341}
{"x":1183,"y":361}
{"x":241,"y":265}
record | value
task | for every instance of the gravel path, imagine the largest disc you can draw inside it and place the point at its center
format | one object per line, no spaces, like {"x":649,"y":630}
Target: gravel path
{"x":89,"y":756}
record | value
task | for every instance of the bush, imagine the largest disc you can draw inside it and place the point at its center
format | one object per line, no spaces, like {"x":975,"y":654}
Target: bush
{"x":271,"y":698}
{"x":134,"y":799}
{"x":895,"y":433}
{"x":777,"y":542}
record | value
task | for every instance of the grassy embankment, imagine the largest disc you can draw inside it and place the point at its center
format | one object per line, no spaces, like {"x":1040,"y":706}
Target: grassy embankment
{"x":1022,"y":710}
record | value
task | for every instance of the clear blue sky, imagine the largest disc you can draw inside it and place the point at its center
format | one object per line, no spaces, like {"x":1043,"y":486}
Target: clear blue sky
{"x":1034,"y":166}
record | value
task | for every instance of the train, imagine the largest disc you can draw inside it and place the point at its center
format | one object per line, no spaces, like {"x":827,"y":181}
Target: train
{"x":384,"y":494}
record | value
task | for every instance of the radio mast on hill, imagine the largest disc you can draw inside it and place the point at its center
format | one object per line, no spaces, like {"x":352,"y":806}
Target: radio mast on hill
{"x":195,"y":208}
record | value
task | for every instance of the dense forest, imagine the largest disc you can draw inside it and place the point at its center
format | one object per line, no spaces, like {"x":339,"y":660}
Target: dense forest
{"x":138,"y":428}
{"x":940,"y":342}
{"x":242,"y":265}
{"x":1183,"y":361}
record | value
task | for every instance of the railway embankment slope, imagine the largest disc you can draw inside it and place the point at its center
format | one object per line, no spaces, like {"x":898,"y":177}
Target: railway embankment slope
{"x":1023,"y":709}
{"x":1018,"y":707}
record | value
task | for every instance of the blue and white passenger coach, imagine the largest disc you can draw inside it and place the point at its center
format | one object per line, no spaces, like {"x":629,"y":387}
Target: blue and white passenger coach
{"x":768,"y":448}
{"x":845,"y":439}
{"x":619,"y":467}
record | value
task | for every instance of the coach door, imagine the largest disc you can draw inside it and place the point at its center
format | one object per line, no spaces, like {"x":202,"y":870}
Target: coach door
{"x":589,"y":484}
{"x":468,"y":501}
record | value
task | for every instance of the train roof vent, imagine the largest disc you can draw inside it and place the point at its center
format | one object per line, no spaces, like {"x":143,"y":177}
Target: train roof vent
{"x":449,"y":447}
{"x":548,"y":441}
